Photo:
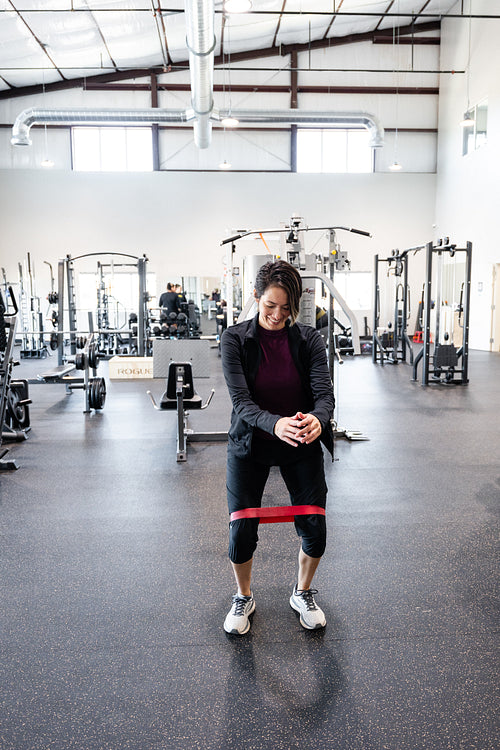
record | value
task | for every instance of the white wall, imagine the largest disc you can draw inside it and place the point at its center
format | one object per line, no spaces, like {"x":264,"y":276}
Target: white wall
{"x":179,"y":219}
{"x":468,"y":187}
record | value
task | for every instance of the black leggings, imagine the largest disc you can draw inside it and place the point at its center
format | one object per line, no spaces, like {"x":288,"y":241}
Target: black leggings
{"x":305,"y":480}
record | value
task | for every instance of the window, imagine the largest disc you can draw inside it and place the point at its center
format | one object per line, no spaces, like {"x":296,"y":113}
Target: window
{"x":475,"y":135}
{"x":121,"y":290}
{"x":112,"y":149}
{"x":356,"y":287}
{"x":334,"y":150}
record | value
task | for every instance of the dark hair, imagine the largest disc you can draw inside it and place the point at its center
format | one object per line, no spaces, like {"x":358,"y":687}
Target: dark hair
{"x":282,"y":274}
{"x":169,"y":286}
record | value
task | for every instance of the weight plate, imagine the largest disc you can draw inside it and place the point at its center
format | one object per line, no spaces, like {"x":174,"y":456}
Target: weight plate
{"x":93,"y":356}
{"x":97,"y":394}
{"x":80,"y":361}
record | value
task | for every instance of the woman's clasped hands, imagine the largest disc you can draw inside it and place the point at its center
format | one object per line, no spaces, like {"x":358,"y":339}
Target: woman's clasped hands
{"x":301,"y":428}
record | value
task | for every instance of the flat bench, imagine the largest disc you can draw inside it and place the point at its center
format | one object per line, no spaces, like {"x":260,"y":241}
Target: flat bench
{"x":52,"y":376}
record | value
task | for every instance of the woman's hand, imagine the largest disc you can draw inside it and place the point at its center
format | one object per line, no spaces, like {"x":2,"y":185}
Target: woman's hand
{"x":309,"y":428}
{"x":286,"y":429}
{"x":301,"y":428}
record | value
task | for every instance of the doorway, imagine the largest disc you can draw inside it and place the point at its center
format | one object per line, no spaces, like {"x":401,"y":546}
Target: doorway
{"x":495,"y":310}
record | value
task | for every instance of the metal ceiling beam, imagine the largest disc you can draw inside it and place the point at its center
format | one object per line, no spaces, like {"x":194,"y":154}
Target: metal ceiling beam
{"x":391,"y":3}
{"x":103,"y":40}
{"x":249,"y":55}
{"x":41,"y":44}
{"x":162,"y":32}
{"x":272,"y":88}
{"x":278,"y":24}
{"x":325,"y":35}
{"x":218,"y":11}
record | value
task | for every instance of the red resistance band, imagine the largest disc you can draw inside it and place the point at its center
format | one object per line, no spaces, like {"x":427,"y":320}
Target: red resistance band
{"x":278,"y":514}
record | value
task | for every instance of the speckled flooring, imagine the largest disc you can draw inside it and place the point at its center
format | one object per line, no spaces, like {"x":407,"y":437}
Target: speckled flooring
{"x":115,"y":582}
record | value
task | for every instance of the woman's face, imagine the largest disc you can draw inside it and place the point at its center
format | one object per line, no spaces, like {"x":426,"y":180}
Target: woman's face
{"x":273,"y":308}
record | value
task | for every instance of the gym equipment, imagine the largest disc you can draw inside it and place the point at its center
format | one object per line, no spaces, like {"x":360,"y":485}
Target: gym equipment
{"x":108,"y":339}
{"x":17,"y":416}
{"x":14,"y":414}
{"x":32,"y":340}
{"x":391,"y":343}
{"x":311,"y":268}
{"x":278,"y":513}
{"x":85,"y":360}
{"x":442,"y":360}
{"x":180,"y":392}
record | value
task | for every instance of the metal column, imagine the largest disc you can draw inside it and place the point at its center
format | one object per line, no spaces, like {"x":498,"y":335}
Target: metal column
{"x":427,"y":314}
{"x":142,"y":311}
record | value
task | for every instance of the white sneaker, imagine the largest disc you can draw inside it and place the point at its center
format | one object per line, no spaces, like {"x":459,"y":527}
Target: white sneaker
{"x":311,"y":616}
{"x":237,"y":620}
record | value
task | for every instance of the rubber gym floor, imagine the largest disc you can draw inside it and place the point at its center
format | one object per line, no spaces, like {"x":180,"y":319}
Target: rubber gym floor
{"x":115,"y":580}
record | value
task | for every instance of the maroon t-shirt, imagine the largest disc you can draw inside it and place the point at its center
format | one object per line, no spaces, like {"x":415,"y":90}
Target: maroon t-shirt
{"x":277,"y":386}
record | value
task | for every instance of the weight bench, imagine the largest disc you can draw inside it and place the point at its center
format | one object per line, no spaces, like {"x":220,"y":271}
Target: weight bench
{"x":180,"y":393}
{"x":57,"y":373}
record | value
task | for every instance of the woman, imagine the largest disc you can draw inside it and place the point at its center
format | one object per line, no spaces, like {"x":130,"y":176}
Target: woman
{"x":277,"y":375}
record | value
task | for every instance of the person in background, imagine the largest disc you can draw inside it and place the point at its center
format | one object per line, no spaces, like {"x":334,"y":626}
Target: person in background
{"x":180,"y":293}
{"x":169,"y":300}
{"x":278,"y":380}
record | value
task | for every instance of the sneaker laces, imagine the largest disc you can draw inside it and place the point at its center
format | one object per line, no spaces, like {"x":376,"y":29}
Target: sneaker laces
{"x":239,"y":605}
{"x":308,"y":596}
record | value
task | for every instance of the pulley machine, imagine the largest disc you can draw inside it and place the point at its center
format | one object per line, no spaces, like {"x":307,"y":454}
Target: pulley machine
{"x":391,"y":343}
{"x":313,"y":267}
{"x":443,"y":361}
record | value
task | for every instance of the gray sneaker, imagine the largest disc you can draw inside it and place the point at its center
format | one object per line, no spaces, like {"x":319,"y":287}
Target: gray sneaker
{"x":311,"y":616}
{"x":237,"y":620}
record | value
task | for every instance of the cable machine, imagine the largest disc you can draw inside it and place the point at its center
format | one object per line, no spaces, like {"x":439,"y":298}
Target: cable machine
{"x":311,"y":268}
{"x":391,"y":343}
{"x":445,"y":354}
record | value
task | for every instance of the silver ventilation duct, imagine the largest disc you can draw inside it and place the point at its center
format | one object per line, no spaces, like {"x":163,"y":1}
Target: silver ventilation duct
{"x":27,"y":118}
{"x":200,"y":39}
{"x":304,"y":117}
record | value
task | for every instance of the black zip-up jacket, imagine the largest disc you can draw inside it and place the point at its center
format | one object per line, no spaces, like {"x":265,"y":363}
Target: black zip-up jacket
{"x":241,"y":355}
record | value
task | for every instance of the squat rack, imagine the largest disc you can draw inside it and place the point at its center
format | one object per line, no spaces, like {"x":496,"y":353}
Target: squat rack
{"x":66,"y":274}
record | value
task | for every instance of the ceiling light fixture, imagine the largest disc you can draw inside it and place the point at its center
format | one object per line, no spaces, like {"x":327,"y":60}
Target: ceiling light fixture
{"x":237,"y":6}
{"x":395,"y":167}
{"x":468,"y":121}
{"x":229,"y":121}
{"x":224,"y":165}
